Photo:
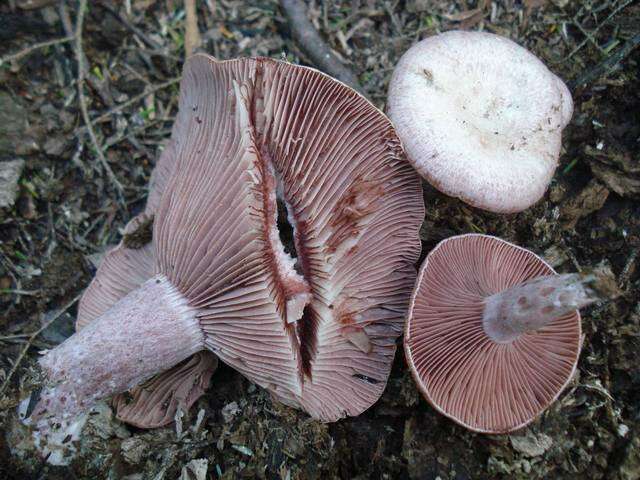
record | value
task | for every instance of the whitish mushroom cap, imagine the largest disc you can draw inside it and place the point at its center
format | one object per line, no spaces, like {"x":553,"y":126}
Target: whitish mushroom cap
{"x":480,"y":118}
{"x":481,"y":384}
{"x":318,"y":331}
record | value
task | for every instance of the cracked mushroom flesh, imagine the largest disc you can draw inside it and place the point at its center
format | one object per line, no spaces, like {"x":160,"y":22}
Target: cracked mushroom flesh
{"x":260,"y":143}
{"x":480,"y":118}
{"x":493,"y":334}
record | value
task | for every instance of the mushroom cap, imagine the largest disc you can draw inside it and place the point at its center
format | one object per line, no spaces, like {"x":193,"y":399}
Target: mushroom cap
{"x":121,"y":271}
{"x":155,"y":402}
{"x":483,"y":385}
{"x":318,"y":331}
{"x":160,"y":177}
{"x":480,"y":118}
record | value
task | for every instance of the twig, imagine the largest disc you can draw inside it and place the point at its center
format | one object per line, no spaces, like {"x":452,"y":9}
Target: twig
{"x":192,"y":38}
{"x":312,"y":44}
{"x":65,"y":18}
{"x":588,"y":36}
{"x":131,"y":27}
{"x":33,"y":48}
{"x":132,"y":134}
{"x":607,"y":65}
{"x":83,"y":101}
{"x":602,"y":24}
{"x":628,"y":269}
{"x":32,"y":338}
{"x":14,"y":337}
{"x":135,"y":99}
{"x":131,"y":101}
{"x":30,"y":293}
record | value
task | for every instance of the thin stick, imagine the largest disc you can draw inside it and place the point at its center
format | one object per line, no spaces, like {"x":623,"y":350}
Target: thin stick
{"x":32,"y":293}
{"x":192,"y":38}
{"x":32,"y":338}
{"x":83,"y":101}
{"x":14,"y":337}
{"x":313,"y":45}
{"x":33,"y":48}
{"x":133,"y":100}
{"x":588,"y":36}
{"x":602,"y":24}
{"x":131,"y":27}
{"x":607,"y":65}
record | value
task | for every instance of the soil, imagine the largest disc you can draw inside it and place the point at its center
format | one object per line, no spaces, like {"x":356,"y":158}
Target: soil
{"x":68,"y":211}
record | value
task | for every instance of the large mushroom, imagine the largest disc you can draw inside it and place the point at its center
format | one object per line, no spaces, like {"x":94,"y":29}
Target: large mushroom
{"x":314,"y":322}
{"x":480,"y":117}
{"x":493,"y":334}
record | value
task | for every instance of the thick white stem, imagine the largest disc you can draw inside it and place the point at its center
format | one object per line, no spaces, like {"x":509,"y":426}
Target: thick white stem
{"x":533,"y":304}
{"x":150,"y":330}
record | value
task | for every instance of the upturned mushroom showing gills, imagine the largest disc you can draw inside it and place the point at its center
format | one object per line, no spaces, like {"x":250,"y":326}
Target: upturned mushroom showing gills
{"x":260,"y":143}
{"x":480,"y":118}
{"x":493,"y":334}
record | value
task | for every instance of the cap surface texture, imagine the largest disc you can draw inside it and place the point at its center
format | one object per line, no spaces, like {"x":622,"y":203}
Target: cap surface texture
{"x":480,"y":118}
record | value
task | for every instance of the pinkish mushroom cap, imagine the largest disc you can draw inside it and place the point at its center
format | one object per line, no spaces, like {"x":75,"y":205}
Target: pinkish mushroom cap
{"x":493,"y":334}
{"x":155,"y":402}
{"x":480,"y":118}
{"x":316,"y":328}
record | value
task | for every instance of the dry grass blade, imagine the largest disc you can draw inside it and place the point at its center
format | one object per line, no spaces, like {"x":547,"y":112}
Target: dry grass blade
{"x":118,"y":108}
{"x":597,"y":29}
{"x":23,"y":53}
{"x":607,"y":65}
{"x":132,"y":28}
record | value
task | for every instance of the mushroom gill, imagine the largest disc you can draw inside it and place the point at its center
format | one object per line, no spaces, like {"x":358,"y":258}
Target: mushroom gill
{"x":317,"y":329}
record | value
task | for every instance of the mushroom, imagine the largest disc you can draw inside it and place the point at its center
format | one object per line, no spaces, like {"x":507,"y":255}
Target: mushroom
{"x":314,"y":322}
{"x":493,"y":334}
{"x":480,"y":118}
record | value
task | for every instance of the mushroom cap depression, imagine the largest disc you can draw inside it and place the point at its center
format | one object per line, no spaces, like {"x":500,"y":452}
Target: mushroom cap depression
{"x":479,"y":383}
{"x":123,"y":269}
{"x":480,"y":118}
{"x":259,"y":142}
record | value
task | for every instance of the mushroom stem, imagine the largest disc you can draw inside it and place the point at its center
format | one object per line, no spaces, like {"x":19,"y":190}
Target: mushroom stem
{"x":535,"y":303}
{"x":148,"y":331}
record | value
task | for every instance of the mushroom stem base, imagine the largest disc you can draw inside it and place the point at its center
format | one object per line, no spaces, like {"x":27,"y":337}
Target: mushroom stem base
{"x":533,"y":304}
{"x":150,"y":330}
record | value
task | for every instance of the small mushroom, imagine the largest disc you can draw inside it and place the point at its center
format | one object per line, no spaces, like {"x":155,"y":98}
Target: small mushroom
{"x":493,"y":334}
{"x":480,"y":118}
{"x":259,"y":143}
